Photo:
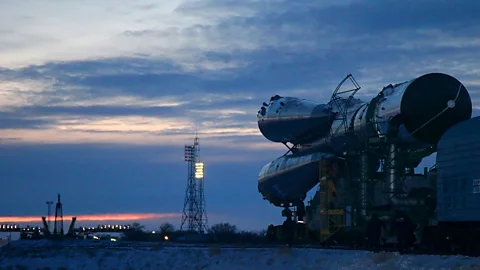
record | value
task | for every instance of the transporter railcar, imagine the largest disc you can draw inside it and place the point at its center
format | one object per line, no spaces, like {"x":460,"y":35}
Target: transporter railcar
{"x":363,"y":155}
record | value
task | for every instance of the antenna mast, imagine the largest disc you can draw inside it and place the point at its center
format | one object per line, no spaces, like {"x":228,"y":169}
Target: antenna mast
{"x":58,"y":226}
{"x":49,"y":205}
{"x":194,"y":214}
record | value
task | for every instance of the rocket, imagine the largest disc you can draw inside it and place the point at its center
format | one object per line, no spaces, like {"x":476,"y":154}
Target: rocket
{"x":414,"y":114}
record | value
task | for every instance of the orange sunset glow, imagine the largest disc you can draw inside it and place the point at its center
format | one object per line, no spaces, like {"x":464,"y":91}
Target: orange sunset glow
{"x":94,"y":217}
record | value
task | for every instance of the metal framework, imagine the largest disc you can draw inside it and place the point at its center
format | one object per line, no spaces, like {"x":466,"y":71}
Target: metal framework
{"x":332,"y":212}
{"x":333,"y":217}
{"x":58,"y":226}
{"x":194,"y":216}
{"x":49,"y":213}
{"x":340,"y":100}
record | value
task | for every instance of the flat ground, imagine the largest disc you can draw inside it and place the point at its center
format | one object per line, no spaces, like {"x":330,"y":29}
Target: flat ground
{"x":97,"y":255}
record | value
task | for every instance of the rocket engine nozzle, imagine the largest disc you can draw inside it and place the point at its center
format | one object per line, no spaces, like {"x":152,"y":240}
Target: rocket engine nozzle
{"x":432,"y":103}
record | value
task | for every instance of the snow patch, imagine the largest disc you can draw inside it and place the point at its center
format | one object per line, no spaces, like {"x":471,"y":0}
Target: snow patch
{"x":89,"y":255}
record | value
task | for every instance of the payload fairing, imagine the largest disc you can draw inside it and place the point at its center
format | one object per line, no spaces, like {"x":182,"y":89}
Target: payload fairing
{"x":409,"y":117}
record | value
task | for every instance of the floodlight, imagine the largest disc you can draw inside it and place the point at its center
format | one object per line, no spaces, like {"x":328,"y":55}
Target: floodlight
{"x":199,"y":169}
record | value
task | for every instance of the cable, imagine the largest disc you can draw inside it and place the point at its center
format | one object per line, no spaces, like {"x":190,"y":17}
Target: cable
{"x":450,"y":105}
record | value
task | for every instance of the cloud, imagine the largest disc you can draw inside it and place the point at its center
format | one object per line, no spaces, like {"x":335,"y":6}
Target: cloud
{"x":288,"y":49}
{"x":284,"y":48}
{"x":13,"y":121}
{"x":180,"y":31}
{"x":101,"y":32}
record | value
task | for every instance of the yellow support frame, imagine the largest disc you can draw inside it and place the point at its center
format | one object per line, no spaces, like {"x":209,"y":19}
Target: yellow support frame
{"x":335,"y":218}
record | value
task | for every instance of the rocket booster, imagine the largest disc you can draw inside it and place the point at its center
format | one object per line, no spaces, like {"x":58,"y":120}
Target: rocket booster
{"x":418,"y":112}
{"x":293,"y":120}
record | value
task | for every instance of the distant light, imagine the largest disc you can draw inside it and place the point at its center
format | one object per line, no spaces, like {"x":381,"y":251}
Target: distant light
{"x":113,"y":239}
{"x":166,"y":238}
{"x":153,"y":231}
{"x":199,"y":170}
{"x":300,"y":221}
{"x":95,"y":237}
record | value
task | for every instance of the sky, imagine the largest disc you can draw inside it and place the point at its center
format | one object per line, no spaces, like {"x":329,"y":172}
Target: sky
{"x":98,"y":99}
